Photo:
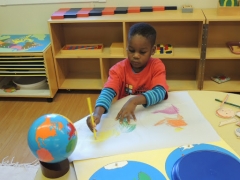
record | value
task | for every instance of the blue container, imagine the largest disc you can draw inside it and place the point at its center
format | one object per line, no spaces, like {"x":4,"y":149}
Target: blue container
{"x":206,"y":165}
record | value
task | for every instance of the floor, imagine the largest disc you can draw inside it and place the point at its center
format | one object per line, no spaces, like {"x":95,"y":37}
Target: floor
{"x":17,"y":115}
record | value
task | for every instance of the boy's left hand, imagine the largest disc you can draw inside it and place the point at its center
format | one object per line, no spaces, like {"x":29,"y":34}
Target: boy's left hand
{"x":127,"y":111}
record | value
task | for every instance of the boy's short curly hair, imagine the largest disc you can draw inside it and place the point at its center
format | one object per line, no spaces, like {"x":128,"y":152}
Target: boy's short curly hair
{"x":145,"y":30}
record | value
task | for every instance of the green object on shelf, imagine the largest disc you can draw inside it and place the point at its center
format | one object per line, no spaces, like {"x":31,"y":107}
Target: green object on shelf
{"x":228,"y":2}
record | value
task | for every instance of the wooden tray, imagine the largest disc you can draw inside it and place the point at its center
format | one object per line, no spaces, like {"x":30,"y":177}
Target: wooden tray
{"x":82,"y":48}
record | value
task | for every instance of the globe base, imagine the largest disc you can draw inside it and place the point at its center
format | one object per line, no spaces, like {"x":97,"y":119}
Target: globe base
{"x":54,"y":170}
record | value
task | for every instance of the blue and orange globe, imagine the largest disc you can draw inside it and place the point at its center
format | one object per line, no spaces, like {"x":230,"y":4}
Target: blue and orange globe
{"x":52,"y":138}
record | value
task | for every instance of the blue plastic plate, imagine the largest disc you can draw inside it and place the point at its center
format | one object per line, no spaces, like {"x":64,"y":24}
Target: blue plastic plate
{"x":205,"y":164}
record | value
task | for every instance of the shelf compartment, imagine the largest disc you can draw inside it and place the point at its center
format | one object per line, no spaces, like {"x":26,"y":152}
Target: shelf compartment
{"x":186,"y":42}
{"x":85,"y":33}
{"x":106,"y":64}
{"x":221,"y":32}
{"x":227,"y":67}
{"x":105,"y":54}
{"x":82,"y":49}
{"x":229,"y":86}
{"x":16,"y":64}
{"x":79,"y":73}
{"x":181,"y":53}
{"x":182,"y":74}
{"x":182,"y":85}
{"x":219,"y":59}
{"x":81,"y":81}
{"x":44,"y":92}
{"x":221,"y":53}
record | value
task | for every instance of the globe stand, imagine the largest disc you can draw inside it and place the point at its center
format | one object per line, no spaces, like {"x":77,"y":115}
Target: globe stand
{"x":54,"y":170}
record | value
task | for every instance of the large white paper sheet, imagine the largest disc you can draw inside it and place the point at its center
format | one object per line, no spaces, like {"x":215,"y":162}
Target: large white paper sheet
{"x":174,"y":122}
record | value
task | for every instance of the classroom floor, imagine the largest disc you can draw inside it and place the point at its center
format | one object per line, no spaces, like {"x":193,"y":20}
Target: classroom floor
{"x":17,"y":115}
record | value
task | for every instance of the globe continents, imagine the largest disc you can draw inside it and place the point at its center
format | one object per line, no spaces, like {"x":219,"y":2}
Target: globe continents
{"x":52,"y":138}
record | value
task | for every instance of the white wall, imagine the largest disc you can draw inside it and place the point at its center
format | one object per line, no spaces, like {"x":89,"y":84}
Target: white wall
{"x":32,"y":19}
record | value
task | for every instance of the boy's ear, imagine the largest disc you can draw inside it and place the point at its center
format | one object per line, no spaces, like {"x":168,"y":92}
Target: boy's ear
{"x":153,"y":49}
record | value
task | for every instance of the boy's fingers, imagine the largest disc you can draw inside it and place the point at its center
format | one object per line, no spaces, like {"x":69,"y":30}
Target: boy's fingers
{"x":119,"y":116}
{"x":121,"y":120}
{"x":128,"y":119}
{"x":88,"y":122}
{"x":90,"y":125}
{"x":134,"y":117}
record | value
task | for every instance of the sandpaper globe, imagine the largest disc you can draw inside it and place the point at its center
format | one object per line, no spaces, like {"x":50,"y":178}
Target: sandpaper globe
{"x":52,"y":138}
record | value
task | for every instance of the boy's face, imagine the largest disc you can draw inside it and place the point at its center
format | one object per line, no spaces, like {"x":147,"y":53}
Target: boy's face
{"x":139,"y":51}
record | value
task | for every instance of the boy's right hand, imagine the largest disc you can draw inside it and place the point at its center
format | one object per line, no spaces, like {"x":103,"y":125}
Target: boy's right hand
{"x":96,"y":117}
{"x":96,"y":121}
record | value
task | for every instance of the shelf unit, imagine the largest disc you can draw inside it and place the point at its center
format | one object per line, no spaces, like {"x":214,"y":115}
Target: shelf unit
{"x":219,"y":59}
{"x":18,"y":64}
{"x":184,"y":31}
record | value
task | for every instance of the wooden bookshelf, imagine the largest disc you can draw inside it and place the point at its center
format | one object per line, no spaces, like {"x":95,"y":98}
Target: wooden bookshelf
{"x":90,"y":71}
{"x":219,"y":59}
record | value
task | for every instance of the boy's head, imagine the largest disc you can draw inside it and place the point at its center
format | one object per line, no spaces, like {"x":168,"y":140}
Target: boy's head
{"x":144,"y":30}
{"x":141,"y":45}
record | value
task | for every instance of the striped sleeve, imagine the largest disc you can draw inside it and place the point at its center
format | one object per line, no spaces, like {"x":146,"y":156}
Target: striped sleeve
{"x":105,"y":98}
{"x":154,"y":96}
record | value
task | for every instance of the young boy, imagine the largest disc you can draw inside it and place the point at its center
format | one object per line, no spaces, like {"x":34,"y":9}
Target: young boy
{"x":139,"y":74}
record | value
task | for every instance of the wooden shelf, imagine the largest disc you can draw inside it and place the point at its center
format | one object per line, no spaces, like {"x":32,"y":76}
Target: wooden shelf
{"x":173,"y":15}
{"x":219,"y":59}
{"x":72,"y":69}
{"x":82,"y":81}
{"x":14,"y":64}
{"x":211,"y":15}
{"x":44,"y":92}
{"x":221,"y":53}
{"x":105,"y":54}
{"x":182,"y":85}
{"x":182,"y":53}
{"x":40,"y":93}
{"x":230,"y":86}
